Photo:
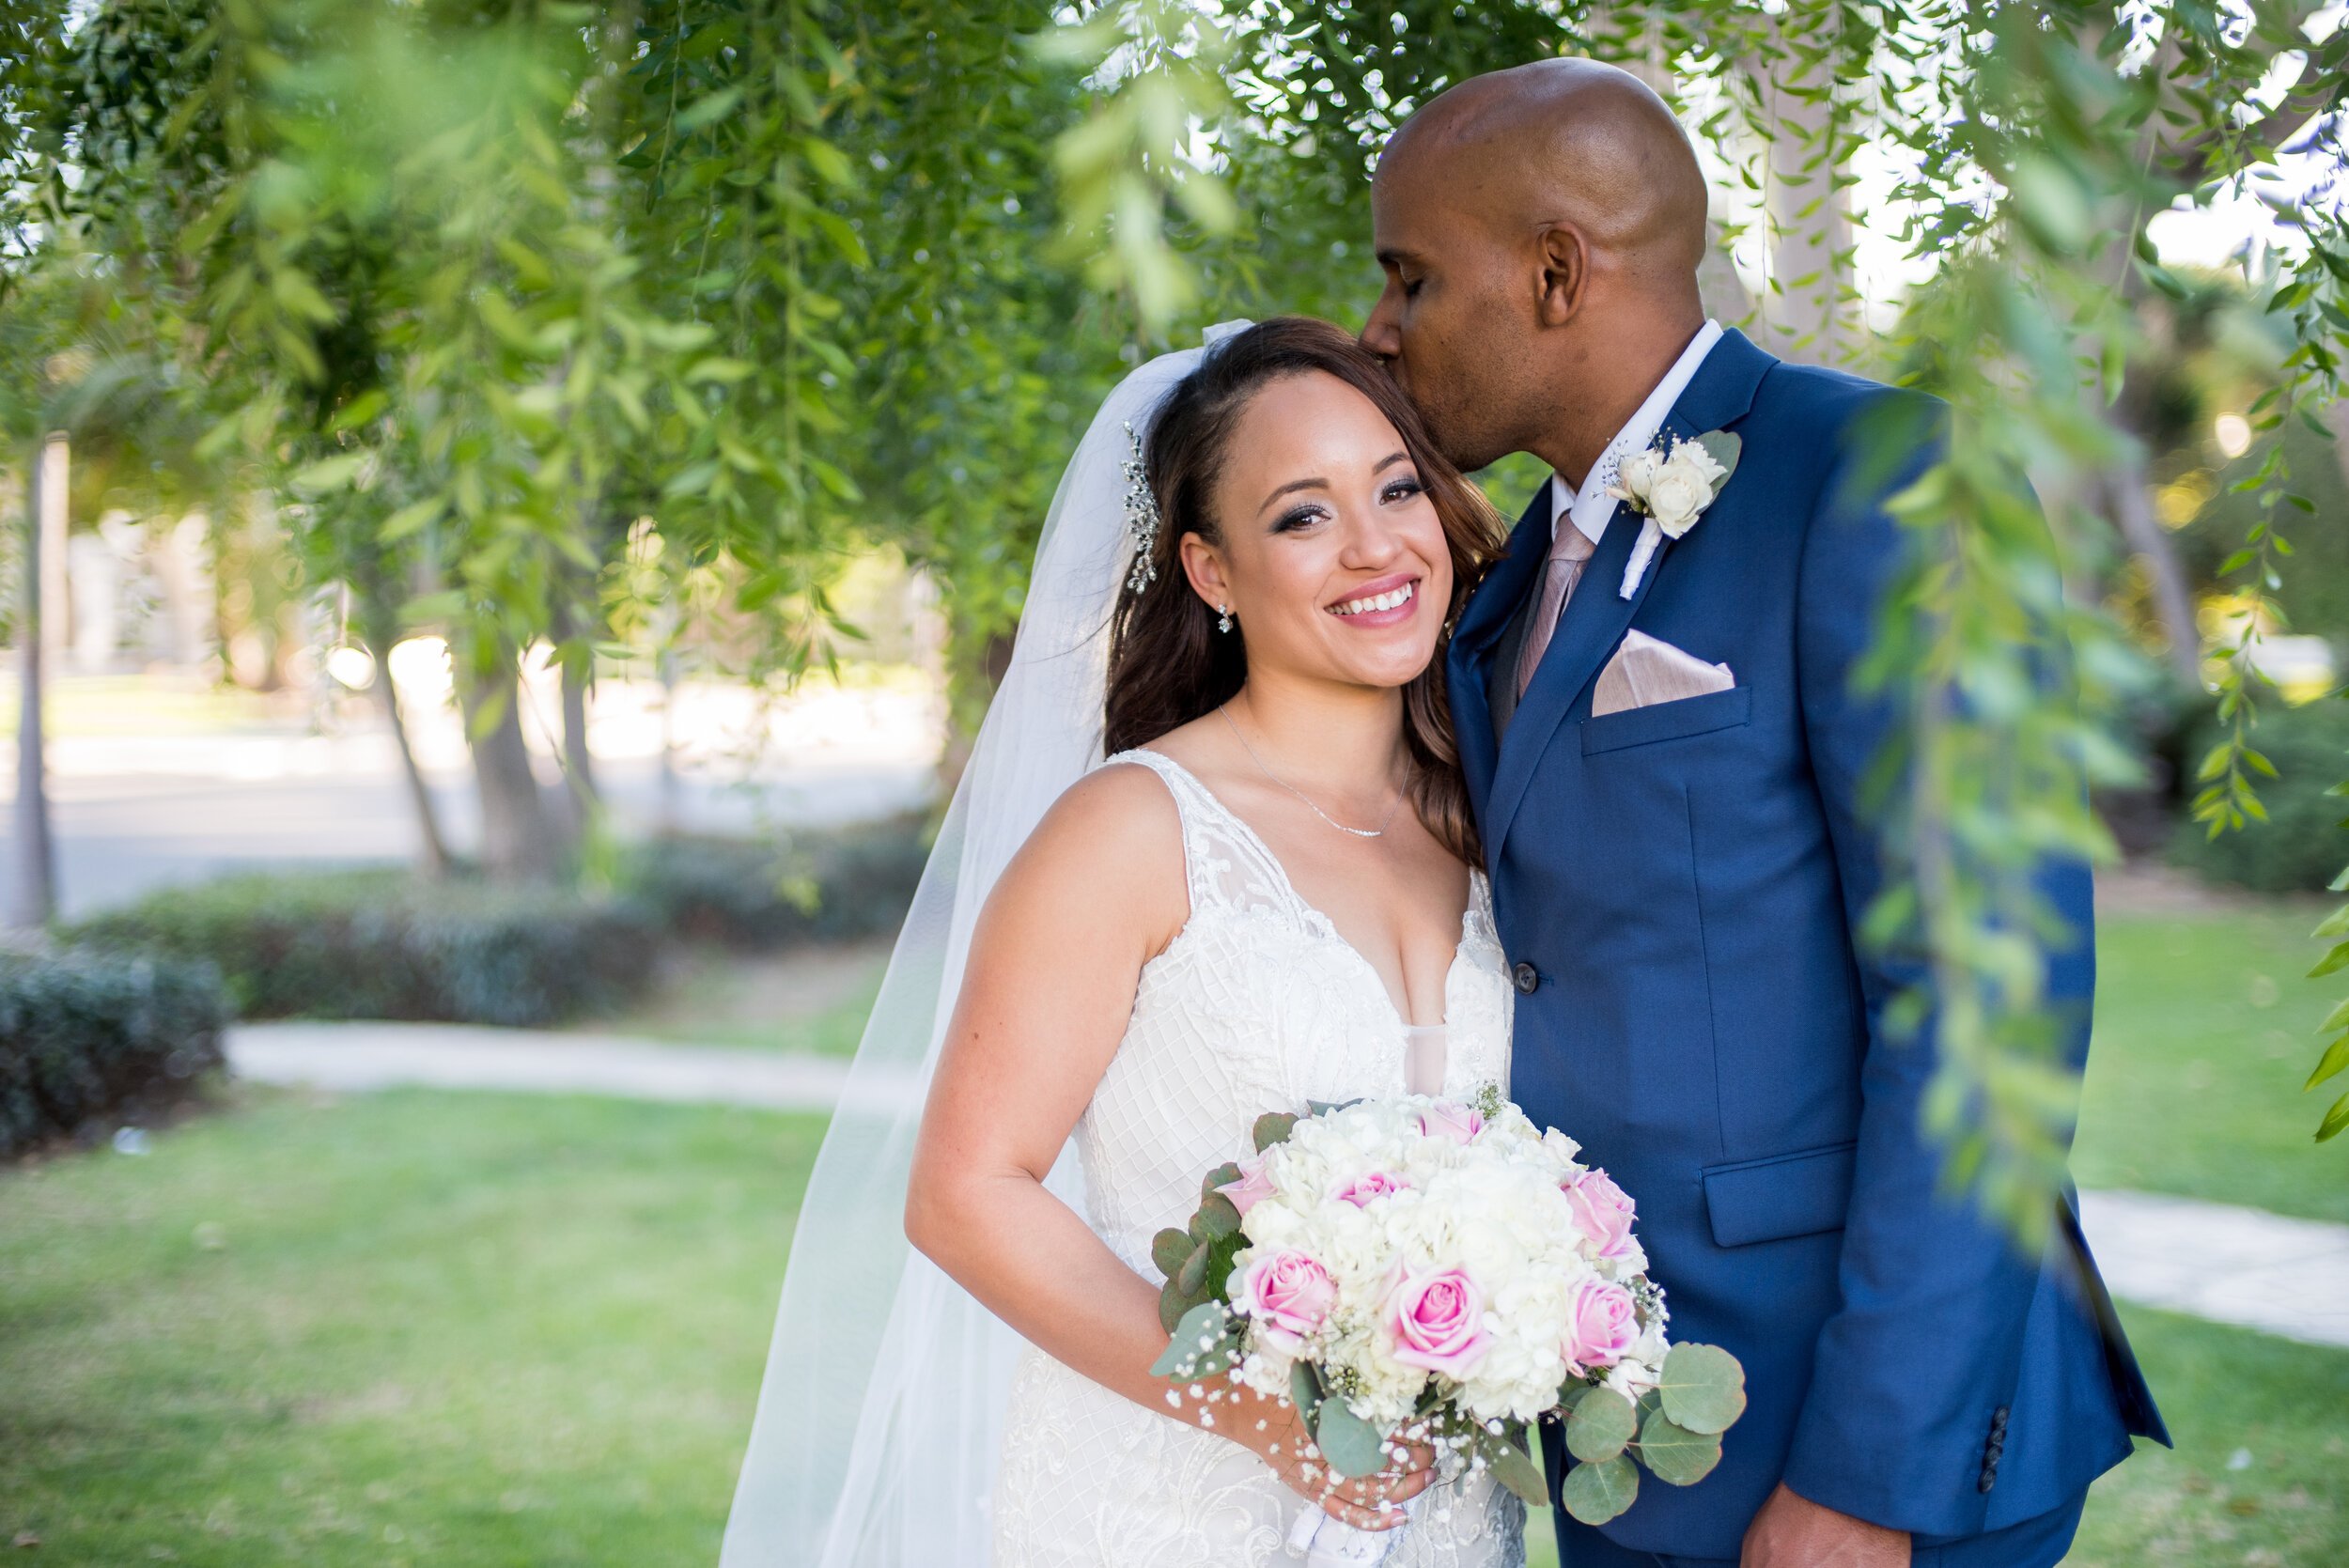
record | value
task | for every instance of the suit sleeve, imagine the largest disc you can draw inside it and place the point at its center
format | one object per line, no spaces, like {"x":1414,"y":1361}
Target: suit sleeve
{"x":1924,"y":1348}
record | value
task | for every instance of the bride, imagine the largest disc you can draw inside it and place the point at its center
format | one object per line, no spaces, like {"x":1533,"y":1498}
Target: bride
{"x":1264,"y":895}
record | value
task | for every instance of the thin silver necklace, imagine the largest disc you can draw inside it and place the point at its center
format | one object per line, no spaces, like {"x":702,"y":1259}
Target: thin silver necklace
{"x":1384,"y":824}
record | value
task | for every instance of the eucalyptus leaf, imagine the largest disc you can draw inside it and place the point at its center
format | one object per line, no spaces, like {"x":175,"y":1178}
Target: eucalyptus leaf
{"x":1724,"y":447}
{"x":1222,"y":1175}
{"x":1192,"y":1277}
{"x":1305,"y":1390}
{"x":1273,"y":1126}
{"x":1202,"y":1329}
{"x":1597,"y":1493}
{"x":1350,"y":1445}
{"x":1217,"y":1216}
{"x":1703,"y":1388}
{"x":1602,"y":1424}
{"x":1516,"y":1468}
{"x":1169,"y":1248}
{"x":1675,"y":1456}
{"x":1173,"y":1304}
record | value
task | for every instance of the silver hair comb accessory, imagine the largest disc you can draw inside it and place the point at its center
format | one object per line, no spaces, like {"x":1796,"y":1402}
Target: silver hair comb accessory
{"x":1142,"y":517}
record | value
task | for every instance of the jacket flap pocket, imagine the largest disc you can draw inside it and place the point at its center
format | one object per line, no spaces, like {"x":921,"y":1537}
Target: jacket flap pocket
{"x":1639,"y":726}
{"x":1786,"y":1195}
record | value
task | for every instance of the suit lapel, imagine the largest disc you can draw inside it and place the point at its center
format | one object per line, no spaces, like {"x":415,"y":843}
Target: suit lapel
{"x":1485,"y":620}
{"x":1590,"y":625}
{"x":1597,"y":616}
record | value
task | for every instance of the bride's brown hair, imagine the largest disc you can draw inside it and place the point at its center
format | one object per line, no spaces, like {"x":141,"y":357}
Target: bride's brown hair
{"x":1169,"y":666}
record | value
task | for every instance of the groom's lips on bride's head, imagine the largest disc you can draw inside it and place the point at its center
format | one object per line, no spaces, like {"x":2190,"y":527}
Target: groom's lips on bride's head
{"x":1402,"y":588}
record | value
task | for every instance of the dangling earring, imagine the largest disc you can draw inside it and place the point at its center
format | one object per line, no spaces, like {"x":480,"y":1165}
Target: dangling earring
{"x":1224,"y":618}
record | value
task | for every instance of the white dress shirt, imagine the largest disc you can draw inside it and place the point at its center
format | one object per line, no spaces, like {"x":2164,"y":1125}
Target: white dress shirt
{"x":1590,"y":506}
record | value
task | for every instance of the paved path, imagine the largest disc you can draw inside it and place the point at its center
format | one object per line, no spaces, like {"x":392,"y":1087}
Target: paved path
{"x":359,"y":1056}
{"x":2214,"y":1261}
{"x":2242,"y":1265}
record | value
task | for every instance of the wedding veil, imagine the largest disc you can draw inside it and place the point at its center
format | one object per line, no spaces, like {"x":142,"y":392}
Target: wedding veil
{"x":874,"y":1445}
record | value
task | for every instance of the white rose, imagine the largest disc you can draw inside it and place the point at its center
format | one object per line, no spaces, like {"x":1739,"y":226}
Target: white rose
{"x":1636,"y":473}
{"x":1679,"y":493}
{"x":1707,"y":467}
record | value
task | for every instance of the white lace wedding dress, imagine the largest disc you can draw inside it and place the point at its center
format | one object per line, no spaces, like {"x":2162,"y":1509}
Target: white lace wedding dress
{"x":1257,"y":1004}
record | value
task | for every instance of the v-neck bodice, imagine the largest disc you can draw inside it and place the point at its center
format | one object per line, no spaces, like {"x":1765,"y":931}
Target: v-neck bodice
{"x":1257,"y":1004}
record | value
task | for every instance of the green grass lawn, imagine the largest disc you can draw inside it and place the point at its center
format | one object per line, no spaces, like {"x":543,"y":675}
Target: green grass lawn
{"x":495,"y":1332}
{"x":807,"y":999}
{"x":455,"y":1329}
{"x":2205,"y":1031}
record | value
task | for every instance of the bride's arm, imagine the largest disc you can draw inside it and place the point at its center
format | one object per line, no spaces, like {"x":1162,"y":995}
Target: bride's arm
{"x":1096,"y":891}
{"x":1093,"y":895}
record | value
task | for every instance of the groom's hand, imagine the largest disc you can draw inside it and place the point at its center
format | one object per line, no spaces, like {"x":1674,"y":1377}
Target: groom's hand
{"x":1792,"y":1531}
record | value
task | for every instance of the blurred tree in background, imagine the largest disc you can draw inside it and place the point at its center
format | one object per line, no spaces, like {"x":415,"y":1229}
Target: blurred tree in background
{"x":551,"y":324}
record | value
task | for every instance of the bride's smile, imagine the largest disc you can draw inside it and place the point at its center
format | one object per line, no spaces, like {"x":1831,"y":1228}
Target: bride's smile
{"x":1331,"y":554}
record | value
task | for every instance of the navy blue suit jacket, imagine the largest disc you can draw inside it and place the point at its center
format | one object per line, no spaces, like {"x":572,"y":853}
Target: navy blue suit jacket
{"x":1683,"y":881}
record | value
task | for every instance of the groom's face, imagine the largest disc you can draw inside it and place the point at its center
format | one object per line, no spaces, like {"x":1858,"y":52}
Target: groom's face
{"x":1457,"y":319}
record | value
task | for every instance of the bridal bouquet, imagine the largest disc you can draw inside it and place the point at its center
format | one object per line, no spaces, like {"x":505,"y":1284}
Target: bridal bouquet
{"x":1420,"y":1269}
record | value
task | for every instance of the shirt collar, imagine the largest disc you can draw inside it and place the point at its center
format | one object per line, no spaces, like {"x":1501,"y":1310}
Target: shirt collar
{"x":1590,"y":506}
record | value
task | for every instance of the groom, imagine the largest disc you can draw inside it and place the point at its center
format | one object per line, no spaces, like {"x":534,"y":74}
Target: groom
{"x":1666,"y":751}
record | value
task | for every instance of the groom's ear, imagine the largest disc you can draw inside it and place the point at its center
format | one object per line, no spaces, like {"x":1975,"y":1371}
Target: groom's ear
{"x":1564,"y":259}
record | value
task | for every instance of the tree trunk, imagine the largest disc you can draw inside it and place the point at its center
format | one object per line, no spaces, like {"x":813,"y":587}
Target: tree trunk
{"x":518,"y":842}
{"x":2126,"y":487}
{"x":33,"y":896}
{"x":579,"y":772}
{"x":379,"y":625}
{"x":435,"y":847}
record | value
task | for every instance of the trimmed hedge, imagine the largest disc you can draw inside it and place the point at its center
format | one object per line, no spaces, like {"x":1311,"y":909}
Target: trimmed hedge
{"x":93,"y":1037}
{"x":848,"y":882}
{"x":379,"y":945}
{"x":2301,"y":845}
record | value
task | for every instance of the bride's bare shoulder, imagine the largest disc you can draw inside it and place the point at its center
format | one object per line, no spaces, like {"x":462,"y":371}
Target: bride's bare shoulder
{"x":1113,"y":844}
{"x":1124,"y":809}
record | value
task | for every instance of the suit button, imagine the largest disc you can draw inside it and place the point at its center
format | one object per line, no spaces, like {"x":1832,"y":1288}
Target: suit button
{"x":1527,"y":978}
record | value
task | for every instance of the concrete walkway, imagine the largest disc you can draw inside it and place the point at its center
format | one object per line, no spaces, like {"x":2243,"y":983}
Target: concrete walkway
{"x":361,"y":1056}
{"x":2239,"y":1265}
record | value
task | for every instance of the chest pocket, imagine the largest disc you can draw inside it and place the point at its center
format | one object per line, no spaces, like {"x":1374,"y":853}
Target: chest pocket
{"x":1673,"y":721}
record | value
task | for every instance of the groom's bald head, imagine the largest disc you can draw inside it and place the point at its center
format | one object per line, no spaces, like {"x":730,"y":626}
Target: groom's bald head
{"x":1541,"y":229}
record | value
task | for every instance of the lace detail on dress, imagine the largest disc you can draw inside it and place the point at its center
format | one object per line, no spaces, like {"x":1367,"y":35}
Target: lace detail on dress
{"x":1257,"y":1004}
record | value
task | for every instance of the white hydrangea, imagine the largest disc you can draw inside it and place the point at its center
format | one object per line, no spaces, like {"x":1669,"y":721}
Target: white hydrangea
{"x":1427,"y":1196}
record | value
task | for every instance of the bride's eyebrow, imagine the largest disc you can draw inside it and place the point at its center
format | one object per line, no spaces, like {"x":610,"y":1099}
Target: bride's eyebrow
{"x":1317,"y":483}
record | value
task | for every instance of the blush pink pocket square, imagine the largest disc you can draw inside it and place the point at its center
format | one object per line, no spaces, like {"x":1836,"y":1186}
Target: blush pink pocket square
{"x":1647,"y":670}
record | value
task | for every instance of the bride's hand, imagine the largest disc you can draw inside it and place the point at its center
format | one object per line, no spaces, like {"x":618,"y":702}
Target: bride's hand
{"x":1270,"y":1429}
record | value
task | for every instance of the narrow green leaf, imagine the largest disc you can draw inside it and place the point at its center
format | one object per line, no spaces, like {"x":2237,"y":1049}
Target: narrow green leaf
{"x":2335,"y":1120}
{"x":1516,"y":1468}
{"x":2330,"y":1065}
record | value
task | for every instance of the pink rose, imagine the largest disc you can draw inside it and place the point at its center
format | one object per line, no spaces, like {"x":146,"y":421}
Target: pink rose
{"x":1362,"y":1189}
{"x":1285,"y":1294}
{"x":1601,"y":1324}
{"x":1437,"y":1321}
{"x":1602,"y":1212}
{"x":1252,"y":1186}
{"x":1450,"y":1119}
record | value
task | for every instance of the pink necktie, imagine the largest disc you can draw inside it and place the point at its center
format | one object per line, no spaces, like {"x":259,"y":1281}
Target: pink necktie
{"x":1569,"y":552}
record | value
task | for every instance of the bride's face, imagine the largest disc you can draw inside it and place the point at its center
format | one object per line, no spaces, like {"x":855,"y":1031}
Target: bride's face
{"x":1331,"y":557}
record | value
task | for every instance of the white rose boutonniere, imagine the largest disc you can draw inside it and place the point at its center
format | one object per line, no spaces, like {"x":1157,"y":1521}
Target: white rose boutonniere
{"x":1670,"y":489}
